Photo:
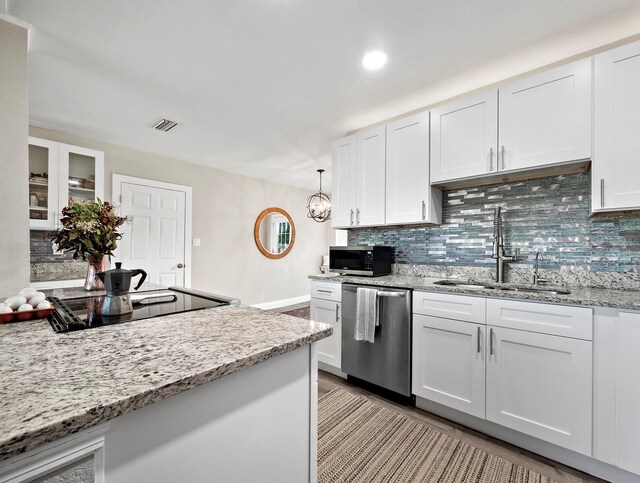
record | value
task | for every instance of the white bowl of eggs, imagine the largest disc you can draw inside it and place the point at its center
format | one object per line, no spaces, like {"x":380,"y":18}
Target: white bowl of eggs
{"x":28,"y":304}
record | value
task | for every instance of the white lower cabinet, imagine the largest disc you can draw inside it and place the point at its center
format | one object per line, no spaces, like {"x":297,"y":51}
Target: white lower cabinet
{"x":326,"y":307}
{"x":328,"y":312}
{"x":515,"y":371}
{"x":449,"y":363}
{"x":541,"y":385}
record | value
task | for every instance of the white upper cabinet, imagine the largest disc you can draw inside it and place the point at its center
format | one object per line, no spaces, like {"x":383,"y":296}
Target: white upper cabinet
{"x":343,"y":196}
{"x":60,"y":174}
{"x":358,"y":180}
{"x":543,"y":119}
{"x":546,"y":118}
{"x":463,"y":137}
{"x":370,"y":177}
{"x":616,"y":166}
{"x":43,"y":183}
{"x":409,"y":196}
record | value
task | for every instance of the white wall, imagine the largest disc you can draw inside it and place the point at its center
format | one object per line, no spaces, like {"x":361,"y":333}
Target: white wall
{"x":14,"y":166}
{"x":225,"y":208}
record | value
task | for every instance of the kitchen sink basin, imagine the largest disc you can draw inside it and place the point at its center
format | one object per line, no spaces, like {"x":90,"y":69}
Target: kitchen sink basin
{"x":506,"y":288}
{"x":460,"y":283}
{"x":542,"y":290}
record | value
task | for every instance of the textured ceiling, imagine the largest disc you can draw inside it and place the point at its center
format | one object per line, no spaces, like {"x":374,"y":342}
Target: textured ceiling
{"x":262,"y":87}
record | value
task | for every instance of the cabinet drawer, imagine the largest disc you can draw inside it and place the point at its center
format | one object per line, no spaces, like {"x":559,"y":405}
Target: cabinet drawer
{"x":447,"y":306}
{"x":326,"y":290}
{"x":576,"y":322}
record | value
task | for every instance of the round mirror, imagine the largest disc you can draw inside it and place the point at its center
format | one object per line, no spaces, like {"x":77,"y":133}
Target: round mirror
{"x":274,"y":233}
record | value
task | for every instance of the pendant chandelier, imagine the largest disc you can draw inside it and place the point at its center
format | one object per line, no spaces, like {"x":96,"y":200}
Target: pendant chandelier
{"x":319,"y":204}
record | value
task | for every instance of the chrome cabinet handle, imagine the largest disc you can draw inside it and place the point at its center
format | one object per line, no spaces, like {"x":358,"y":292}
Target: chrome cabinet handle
{"x":424,"y":210}
{"x":352,"y":217}
{"x":323,"y":291}
{"x":490,"y":159}
{"x":490,"y":342}
{"x":503,"y":156}
{"x":337,"y":314}
{"x":357,"y":216}
{"x":602,"y":193}
{"x":478,"y":348}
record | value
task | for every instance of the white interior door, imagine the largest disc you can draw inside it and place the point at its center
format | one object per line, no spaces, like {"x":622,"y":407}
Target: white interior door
{"x":154,"y":237}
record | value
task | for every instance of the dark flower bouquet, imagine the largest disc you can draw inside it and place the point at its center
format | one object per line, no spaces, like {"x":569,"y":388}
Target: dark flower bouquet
{"x":89,"y":229}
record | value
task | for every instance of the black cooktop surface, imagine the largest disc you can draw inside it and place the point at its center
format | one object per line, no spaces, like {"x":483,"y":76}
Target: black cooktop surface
{"x":85,"y":312}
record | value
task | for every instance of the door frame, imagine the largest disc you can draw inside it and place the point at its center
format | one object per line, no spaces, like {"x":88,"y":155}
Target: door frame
{"x":116,"y":190}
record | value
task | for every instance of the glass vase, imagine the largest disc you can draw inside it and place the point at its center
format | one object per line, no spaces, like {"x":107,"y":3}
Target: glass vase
{"x":95,"y":265}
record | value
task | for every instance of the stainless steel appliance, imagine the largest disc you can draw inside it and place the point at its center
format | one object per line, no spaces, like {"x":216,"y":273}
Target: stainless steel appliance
{"x":368,"y":260}
{"x":116,"y":283}
{"x":86,"y":312}
{"x":386,"y":362}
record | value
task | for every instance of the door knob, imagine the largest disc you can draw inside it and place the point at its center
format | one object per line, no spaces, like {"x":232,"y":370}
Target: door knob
{"x":180,"y":265}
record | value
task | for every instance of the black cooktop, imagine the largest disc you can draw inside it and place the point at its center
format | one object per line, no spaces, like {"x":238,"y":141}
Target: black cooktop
{"x":85,"y":312}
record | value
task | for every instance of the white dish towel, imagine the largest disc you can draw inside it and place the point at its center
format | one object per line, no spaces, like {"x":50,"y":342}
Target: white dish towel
{"x":367,"y":317}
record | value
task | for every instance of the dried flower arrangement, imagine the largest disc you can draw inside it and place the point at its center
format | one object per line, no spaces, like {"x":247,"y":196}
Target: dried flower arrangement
{"x":89,"y":230}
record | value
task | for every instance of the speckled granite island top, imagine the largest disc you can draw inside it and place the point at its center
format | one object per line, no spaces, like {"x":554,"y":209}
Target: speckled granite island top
{"x":52,"y":385}
{"x":592,"y":297}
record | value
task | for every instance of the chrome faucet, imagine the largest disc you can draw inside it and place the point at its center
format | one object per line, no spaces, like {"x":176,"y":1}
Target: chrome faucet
{"x":498,"y":247}
{"x":536,"y":276}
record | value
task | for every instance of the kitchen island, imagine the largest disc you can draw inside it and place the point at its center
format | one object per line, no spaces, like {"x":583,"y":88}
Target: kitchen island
{"x":224,"y":394}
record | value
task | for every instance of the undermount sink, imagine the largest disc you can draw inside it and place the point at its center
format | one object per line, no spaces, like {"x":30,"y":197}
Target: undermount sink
{"x":507,"y":288}
{"x":548,"y":291}
{"x":461,"y":283}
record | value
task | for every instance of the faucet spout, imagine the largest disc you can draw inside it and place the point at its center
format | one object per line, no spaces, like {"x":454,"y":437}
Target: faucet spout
{"x":498,"y":252}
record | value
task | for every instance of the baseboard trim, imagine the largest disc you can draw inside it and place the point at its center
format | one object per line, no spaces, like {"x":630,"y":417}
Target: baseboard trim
{"x":282,"y":303}
{"x":331,"y":370}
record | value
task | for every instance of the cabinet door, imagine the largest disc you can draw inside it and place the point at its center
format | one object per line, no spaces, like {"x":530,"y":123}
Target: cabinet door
{"x":449,"y":363}
{"x":464,"y":136}
{"x":328,"y":312}
{"x":370,"y":179}
{"x":546,"y":118}
{"x":343,"y":181}
{"x":43,"y":184}
{"x":81,"y":174}
{"x":540,"y":385}
{"x":408,"y":197}
{"x":628,"y":393}
{"x":616,"y":169}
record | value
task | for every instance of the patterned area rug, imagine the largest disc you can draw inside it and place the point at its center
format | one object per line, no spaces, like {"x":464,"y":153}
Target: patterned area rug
{"x":359,"y":441}
{"x":303,"y":312}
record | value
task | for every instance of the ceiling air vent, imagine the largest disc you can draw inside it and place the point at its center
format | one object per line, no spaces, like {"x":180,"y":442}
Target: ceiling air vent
{"x":164,"y":125}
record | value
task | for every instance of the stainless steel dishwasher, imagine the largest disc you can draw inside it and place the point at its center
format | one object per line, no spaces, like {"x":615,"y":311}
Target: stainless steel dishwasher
{"x":386,"y":362}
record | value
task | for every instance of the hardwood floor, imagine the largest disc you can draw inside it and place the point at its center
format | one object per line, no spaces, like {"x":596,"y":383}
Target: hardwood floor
{"x":544,"y":466}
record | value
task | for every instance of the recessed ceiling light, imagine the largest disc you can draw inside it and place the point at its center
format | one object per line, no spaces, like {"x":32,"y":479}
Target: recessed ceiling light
{"x":374,"y":60}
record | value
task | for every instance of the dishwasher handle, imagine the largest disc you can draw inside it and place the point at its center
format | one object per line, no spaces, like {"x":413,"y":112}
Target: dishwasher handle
{"x":391,"y":294}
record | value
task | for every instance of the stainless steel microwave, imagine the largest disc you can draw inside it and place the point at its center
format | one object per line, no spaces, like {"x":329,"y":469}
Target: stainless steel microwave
{"x":368,"y":261}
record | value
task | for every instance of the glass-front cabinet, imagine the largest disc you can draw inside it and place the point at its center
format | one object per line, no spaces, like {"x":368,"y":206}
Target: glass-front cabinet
{"x":43,"y":183}
{"x":60,"y":174}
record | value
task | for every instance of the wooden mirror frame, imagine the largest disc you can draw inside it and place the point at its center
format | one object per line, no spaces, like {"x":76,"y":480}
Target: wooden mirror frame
{"x":256,"y":233}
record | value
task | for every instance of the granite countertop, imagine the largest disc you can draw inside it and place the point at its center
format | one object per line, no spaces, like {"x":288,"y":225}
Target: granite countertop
{"x":52,"y":385}
{"x":592,"y":297}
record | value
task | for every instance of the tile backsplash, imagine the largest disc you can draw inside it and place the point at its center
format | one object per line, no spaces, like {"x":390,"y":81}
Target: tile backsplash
{"x":42,"y":251}
{"x":551,"y":215}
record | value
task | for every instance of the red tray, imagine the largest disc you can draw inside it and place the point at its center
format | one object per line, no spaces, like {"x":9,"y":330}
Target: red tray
{"x":26,"y":315}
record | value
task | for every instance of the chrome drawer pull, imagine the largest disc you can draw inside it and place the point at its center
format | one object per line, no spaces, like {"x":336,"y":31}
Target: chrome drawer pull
{"x":490,"y":342}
